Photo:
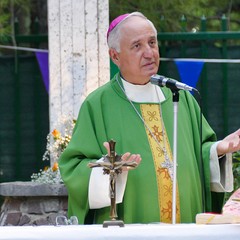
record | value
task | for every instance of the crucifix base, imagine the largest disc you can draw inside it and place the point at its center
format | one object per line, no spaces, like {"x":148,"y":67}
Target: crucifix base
{"x":119,"y":223}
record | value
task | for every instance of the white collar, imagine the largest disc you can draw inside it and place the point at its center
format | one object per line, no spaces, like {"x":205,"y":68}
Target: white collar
{"x":149,"y":92}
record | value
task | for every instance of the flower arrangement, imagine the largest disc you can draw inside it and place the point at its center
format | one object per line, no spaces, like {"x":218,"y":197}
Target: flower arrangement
{"x":48,"y":175}
{"x":57,"y":141}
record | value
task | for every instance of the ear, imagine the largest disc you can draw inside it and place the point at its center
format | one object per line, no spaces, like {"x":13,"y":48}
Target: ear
{"x":114,"y":55}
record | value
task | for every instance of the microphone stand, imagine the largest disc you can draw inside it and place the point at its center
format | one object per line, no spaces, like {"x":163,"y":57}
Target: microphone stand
{"x":175,"y":121}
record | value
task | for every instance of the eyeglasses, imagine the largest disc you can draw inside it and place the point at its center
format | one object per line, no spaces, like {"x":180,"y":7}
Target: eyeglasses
{"x":62,"y":220}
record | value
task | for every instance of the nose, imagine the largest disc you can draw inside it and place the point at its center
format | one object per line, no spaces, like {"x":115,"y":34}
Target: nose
{"x":148,"y":52}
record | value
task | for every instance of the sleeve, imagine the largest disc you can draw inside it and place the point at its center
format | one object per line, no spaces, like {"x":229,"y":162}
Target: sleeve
{"x":98,"y":193}
{"x":85,"y":146}
{"x":220,"y":171}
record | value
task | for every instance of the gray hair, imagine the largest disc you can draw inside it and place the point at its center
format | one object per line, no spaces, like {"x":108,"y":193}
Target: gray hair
{"x":115,"y":34}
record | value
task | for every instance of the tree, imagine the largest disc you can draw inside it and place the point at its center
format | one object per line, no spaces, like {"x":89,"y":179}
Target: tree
{"x":167,"y":15}
{"x":5,"y":27}
{"x":24,"y":12}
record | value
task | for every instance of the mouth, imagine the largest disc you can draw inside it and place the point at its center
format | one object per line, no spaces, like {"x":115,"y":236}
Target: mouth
{"x":149,"y":64}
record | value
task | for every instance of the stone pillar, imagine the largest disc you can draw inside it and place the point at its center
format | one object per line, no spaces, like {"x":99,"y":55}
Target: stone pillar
{"x":78,"y":53}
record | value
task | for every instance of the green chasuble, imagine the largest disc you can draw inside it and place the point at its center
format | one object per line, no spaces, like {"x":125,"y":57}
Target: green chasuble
{"x":107,"y":114}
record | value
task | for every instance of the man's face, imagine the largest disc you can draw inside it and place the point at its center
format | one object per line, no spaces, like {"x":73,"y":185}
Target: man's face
{"x":138,"y":59}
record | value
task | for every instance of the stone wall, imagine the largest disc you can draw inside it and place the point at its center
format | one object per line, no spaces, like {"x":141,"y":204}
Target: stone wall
{"x":28,"y":203}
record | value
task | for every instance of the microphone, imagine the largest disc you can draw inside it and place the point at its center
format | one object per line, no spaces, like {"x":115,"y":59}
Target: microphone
{"x":162,"y":81}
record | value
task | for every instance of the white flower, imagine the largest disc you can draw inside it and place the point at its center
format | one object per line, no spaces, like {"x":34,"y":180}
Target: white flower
{"x":57,"y":141}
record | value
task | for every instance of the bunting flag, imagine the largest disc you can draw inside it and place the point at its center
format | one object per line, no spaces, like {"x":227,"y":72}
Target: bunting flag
{"x":189,"y":71}
{"x":42,"y":58}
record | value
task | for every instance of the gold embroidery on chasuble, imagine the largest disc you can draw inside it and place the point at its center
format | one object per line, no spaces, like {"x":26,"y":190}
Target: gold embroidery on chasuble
{"x":152,"y":117}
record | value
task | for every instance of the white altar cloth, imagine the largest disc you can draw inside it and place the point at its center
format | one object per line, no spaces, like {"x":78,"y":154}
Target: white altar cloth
{"x":130,"y":231}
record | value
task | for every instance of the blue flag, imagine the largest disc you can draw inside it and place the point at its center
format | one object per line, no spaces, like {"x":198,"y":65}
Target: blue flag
{"x":189,"y":71}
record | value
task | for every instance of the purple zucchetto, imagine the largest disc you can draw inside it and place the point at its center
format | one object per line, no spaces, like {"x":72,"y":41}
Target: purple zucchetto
{"x":115,"y":22}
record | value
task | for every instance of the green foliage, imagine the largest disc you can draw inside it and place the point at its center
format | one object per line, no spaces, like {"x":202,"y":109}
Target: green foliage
{"x":9,"y":9}
{"x":236,"y":174}
{"x":236,"y":170}
{"x":5,"y":28}
{"x":167,"y":15}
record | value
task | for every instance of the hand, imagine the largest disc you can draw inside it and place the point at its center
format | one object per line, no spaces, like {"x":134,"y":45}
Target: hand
{"x":128,"y":157}
{"x":229,"y":144}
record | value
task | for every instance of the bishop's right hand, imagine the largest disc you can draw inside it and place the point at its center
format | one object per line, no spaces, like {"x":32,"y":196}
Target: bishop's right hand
{"x":127,"y":157}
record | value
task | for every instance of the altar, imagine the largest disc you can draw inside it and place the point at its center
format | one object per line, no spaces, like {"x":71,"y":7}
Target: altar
{"x":131,"y":231}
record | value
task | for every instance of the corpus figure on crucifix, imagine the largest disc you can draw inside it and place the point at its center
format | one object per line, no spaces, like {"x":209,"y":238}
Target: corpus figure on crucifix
{"x":113,"y":165}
